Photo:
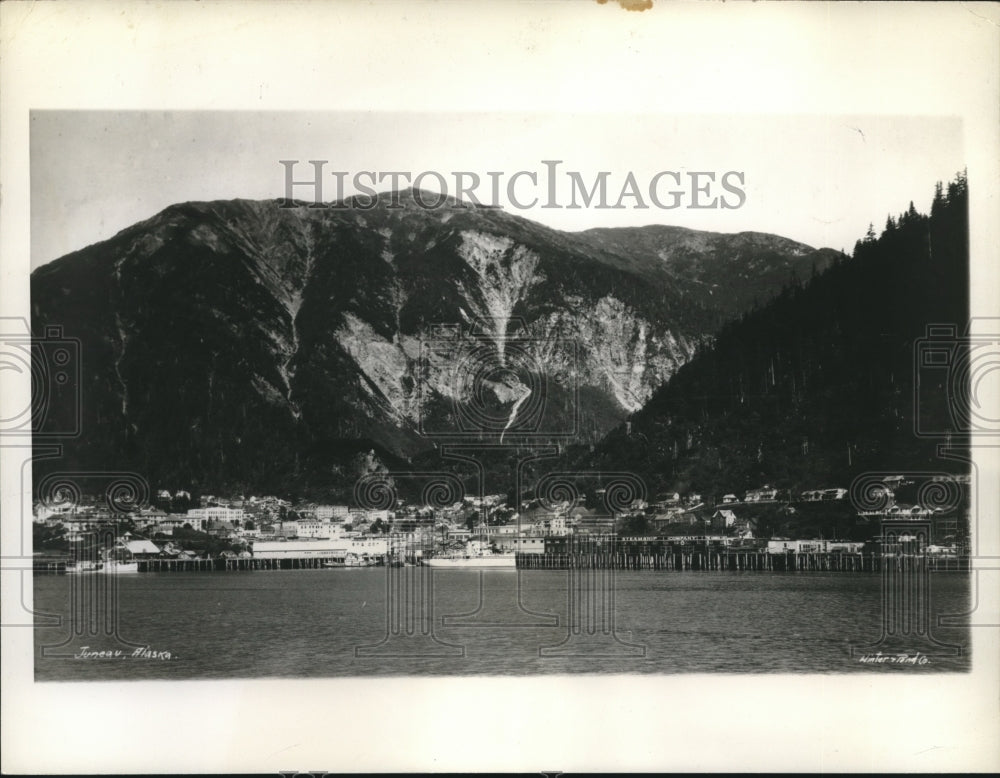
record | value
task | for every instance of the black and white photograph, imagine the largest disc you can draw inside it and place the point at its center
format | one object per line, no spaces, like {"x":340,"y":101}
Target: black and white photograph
{"x":370,"y":406}
{"x":418,"y":429}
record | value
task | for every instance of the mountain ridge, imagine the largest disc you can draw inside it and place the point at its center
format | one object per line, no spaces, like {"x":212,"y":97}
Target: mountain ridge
{"x":217,"y":330}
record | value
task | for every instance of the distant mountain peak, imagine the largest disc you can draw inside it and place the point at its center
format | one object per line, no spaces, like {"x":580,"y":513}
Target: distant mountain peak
{"x":238,"y":340}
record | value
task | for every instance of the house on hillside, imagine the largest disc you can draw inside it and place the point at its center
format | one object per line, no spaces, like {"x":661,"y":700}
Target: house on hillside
{"x":766,"y":493}
{"x":722,"y":519}
{"x":221,"y":529}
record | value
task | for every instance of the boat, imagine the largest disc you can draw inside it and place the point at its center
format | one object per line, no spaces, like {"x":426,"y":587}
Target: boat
{"x":356,"y":560}
{"x":84,"y":566}
{"x":490,"y":560}
{"x":477,"y":554}
{"x":115,"y":562}
{"x":114,"y":567}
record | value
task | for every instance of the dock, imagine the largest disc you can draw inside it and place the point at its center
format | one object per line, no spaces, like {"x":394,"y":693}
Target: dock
{"x":694,"y":560}
{"x":652,"y":556}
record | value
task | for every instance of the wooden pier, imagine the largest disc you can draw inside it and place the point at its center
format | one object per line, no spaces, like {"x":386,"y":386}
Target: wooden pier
{"x":740,"y":561}
{"x":50,"y":565}
{"x":676,"y":558}
{"x":238,"y":564}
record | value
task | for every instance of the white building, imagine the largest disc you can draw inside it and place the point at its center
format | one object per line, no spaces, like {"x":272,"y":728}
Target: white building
{"x":198,"y":517}
{"x":362,"y":515}
{"x":330,"y":512}
{"x":766,"y":493}
{"x":813,"y":546}
{"x":725,"y":518}
{"x":520,"y":545}
{"x":367,"y":544}
{"x":318,"y":529}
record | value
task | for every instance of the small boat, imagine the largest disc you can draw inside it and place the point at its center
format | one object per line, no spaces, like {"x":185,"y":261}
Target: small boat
{"x":114,"y":567}
{"x":115,"y":562}
{"x":84,"y":566}
{"x":355,"y":560}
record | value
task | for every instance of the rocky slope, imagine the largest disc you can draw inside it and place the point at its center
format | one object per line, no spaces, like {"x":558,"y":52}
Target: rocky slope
{"x":242,"y":343}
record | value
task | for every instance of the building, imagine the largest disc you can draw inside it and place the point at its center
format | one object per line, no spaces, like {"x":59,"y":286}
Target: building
{"x":166,"y":523}
{"x":783,"y":546}
{"x":221,"y":529}
{"x":766,"y":493}
{"x":312,"y":528}
{"x":134,"y":548}
{"x":520,"y":545}
{"x":816,"y":495}
{"x":198,"y":517}
{"x":723,"y":519}
{"x":149,"y":518}
{"x":844,"y":546}
{"x":286,"y":529}
{"x":367,"y":545}
{"x":363,"y":516}
{"x":331,"y":512}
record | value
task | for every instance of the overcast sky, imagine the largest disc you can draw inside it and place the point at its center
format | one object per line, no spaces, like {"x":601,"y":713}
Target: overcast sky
{"x":818,"y":180}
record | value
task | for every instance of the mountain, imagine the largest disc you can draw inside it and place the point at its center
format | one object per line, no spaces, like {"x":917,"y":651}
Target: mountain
{"x":243,"y":344}
{"x":822,"y":383}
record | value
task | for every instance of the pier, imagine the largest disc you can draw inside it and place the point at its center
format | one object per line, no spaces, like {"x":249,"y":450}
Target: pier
{"x":50,"y":565}
{"x":739,"y":561}
{"x":592,"y":556}
{"x":232,"y":565}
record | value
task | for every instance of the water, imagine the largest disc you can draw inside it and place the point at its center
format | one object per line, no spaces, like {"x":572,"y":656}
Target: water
{"x":327,"y":623}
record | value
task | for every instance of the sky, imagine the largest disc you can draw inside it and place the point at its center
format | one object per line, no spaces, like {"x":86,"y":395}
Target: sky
{"x":816,"y":179}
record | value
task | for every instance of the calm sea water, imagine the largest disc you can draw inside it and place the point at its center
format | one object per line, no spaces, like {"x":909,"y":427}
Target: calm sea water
{"x":342,"y":622}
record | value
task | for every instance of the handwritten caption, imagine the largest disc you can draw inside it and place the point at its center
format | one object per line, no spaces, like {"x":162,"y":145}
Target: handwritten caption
{"x":143,"y":652}
{"x":894,"y":659}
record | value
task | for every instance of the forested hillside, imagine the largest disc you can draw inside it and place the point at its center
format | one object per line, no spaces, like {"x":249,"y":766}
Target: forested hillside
{"x":818,"y":385}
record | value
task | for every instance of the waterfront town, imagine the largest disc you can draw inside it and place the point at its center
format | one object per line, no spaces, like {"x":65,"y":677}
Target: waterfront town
{"x":178,"y":532}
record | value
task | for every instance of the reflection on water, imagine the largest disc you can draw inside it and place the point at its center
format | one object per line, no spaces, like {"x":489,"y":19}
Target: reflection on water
{"x":340,"y":622}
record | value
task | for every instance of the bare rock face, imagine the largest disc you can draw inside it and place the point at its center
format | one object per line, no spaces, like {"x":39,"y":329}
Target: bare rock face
{"x":240,"y":342}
